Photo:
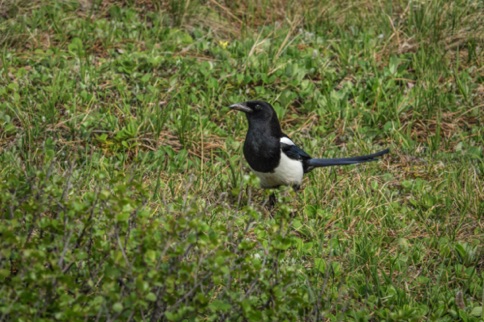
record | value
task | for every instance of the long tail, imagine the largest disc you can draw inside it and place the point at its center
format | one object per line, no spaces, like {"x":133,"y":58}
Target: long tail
{"x":314,"y":163}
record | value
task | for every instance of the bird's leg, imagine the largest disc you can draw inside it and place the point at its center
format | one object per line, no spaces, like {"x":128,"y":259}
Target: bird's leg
{"x":297,"y":191}
{"x":272,"y":200}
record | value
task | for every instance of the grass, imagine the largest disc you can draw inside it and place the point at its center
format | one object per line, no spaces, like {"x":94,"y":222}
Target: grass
{"x":124,"y":194}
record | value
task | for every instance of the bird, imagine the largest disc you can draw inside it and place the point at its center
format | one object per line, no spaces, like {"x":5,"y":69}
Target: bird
{"x":274,"y":157}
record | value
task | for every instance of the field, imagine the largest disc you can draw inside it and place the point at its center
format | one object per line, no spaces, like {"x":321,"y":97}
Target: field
{"x":124,"y":194}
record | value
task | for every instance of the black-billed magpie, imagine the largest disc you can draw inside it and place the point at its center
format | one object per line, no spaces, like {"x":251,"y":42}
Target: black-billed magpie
{"x":273,"y":156}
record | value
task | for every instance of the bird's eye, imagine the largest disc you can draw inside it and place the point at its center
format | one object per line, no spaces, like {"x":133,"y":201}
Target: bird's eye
{"x":258,"y":107}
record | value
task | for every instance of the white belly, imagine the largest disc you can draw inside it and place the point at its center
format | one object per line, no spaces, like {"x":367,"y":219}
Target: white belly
{"x":289,"y":172}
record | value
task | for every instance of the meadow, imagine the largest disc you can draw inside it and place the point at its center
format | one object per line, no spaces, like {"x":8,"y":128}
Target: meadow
{"x":124,"y":194}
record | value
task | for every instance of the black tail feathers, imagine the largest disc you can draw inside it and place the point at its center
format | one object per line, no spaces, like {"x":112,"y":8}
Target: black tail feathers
{"x":316,"y":163}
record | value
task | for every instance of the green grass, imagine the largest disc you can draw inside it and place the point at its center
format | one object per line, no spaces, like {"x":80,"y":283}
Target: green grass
{"x":124,"y":194}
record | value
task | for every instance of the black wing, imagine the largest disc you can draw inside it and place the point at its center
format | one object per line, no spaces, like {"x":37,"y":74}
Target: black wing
{"x":294,"y":152}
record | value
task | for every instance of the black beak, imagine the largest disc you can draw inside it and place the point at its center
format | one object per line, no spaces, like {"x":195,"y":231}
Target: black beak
{"x":240,"y":107}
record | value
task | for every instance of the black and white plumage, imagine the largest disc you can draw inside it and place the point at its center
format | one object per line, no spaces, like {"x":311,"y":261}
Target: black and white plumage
{"x":273,"y":156}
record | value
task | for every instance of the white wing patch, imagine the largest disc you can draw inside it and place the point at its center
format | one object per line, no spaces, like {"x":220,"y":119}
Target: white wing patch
{"x":286,"y":140}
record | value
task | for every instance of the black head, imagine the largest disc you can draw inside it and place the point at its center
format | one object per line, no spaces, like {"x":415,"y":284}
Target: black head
{"x":256,"y":110}
{"x":261,"y":116}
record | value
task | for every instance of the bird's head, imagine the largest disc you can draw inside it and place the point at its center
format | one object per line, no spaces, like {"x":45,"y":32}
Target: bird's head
{"x":256,"y":110}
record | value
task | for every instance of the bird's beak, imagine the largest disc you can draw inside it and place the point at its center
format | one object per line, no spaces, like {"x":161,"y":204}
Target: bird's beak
{"x":240,"y":107}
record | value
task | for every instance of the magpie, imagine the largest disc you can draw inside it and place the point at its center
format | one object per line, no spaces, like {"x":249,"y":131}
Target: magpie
{"x":273,"y":156}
